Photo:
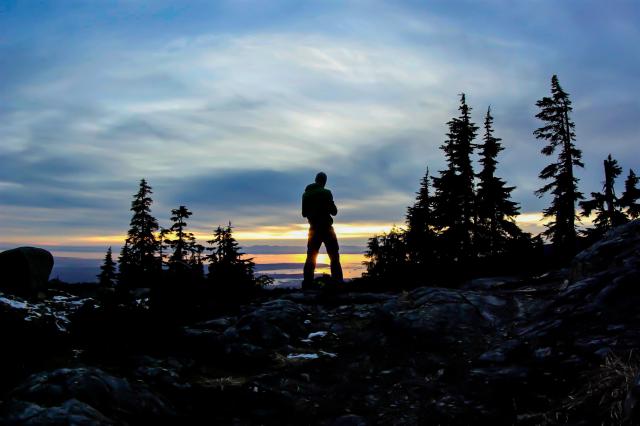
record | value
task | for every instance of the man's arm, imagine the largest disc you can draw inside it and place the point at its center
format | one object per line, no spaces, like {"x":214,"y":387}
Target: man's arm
{"x":304,"y":209}
{"x":332,"y":206}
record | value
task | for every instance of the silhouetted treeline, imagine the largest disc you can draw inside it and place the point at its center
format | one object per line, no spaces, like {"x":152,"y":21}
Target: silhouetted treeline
{"x":171,"y":263}
{"x":462,"y":223}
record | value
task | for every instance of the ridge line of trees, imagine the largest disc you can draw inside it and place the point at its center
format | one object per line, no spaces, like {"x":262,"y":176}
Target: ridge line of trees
{"x":462,"y":223}
{"x":152,"y":256}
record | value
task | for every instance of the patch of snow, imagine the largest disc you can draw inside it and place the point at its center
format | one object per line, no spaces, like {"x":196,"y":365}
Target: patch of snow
{"x":329,"y":354}
{"x":302,"y":356}
{"x":14,"y":303}
{"x":317,"y":334}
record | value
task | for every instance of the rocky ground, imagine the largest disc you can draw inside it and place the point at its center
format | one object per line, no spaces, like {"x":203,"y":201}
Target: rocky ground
{"x":555,"y":349}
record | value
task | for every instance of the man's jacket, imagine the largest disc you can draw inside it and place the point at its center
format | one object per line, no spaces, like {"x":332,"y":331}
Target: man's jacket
{"x":318,"y":205}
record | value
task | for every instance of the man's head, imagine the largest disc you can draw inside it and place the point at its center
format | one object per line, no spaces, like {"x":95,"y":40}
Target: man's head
{"x":321,"y":178}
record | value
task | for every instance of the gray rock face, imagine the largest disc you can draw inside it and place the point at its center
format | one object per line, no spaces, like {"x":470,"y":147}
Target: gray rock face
{"x":619,"y":249}
{"x":25,"y":269}
{"x":89,"y":394}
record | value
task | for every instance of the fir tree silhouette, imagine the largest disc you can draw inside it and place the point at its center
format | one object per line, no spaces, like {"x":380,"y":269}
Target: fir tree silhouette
{"x":495,"y":225}
{"x":631,"y":195}
{"x":229,"y":270}
{"x":605,"y":204}
{"x":558,"y":132}
{"x":125,"y":266}
{"x":142,"y":263}
{"x":183,"y":243}
{"x":107,"y":276}
{"x":420,"y":237}
{"x":387,"y":256}
{"x":454,"y":208}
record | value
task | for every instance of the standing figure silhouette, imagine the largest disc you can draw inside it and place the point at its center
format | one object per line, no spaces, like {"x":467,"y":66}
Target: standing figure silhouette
{"x":318,"y":207}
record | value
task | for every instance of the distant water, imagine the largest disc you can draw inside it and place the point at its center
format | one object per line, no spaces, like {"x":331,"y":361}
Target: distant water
{"x":285,"y":269}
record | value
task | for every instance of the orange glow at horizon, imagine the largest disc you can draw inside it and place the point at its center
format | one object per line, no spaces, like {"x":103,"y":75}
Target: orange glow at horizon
{"x":529,"y":221}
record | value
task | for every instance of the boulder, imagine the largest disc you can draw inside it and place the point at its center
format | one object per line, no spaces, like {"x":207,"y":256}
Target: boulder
{"x":73,"y":389}
{"x":25,"y":269}
{"x":617,"y":250}
{"x":71,"y":412}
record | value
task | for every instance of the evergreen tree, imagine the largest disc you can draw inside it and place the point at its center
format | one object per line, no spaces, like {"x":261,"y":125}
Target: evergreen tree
{"x":631,"y":195}
{"x":141,"y":240}
{"x":162,"y":244}
{"x":227,"y":264}
{"x":454,"y":208}
{"x":387,"y":256}
{"x":196,"y":261}
{"x":605,"y":204}
{"x":420,"y":236}
{"x":125,"y":266}
{"x":183,"y":243}
{"x":558,"y":131}
{"x":495,"y":210}
{"x":107,"y":276}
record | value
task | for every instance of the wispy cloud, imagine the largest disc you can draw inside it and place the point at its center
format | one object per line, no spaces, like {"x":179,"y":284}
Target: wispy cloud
{"x":232,"y":108}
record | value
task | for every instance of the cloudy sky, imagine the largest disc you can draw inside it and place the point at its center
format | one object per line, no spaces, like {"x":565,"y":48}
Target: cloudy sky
{"x":231,"y":107}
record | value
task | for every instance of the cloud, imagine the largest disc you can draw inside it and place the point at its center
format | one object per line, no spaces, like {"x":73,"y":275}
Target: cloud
{"x":231,"y":109}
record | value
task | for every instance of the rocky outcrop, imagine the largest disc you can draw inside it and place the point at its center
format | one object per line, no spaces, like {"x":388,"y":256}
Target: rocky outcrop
{"x":84,"y":396}
{"x":25,"y":270}
{"x":559,"y":348}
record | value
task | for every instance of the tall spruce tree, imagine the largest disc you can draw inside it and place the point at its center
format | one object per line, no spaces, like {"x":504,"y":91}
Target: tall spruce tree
{"x":107,"y":276}
{"x":454,"y":207}
{"x":183,"y":242}
{"x":605,"y":204}
{"x":420,"y":235}
{"x":631,"y":195}
{"x":558,"y":132}
{"x":495,"y":211}
{"x":141,"y":239}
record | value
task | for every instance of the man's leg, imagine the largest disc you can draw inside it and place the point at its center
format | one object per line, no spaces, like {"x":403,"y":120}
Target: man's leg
{"x":333,"y":250}
{"x":313,"y":247}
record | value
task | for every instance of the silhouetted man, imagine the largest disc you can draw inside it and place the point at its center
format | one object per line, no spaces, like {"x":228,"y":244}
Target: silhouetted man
{"x":318,"y":207}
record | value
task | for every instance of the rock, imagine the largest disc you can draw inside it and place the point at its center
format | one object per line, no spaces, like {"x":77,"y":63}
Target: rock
{"x":271,"y":324}
{"x":32,"y":333}
{"x":349,"y":420}
{"x":112,"y":396}
{"x":618,"y":249}
{"x":25,"y":269}
{"x":454,"y":318}
{"x":71,"y":412}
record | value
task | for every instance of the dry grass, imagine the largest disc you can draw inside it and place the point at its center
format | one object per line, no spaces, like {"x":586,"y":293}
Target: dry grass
{"x":600,"y":398}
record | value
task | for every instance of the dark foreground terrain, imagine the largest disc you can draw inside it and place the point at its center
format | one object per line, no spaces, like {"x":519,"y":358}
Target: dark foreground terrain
{"x":556,"y":349}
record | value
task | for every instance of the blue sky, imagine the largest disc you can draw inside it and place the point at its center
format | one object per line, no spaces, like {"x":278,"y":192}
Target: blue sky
{"x":232,"y":107}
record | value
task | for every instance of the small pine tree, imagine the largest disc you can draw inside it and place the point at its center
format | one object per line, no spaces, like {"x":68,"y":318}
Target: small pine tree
{"x":125,"y":266}
{"x":605,"y":204}
{"x":107,"y":276}
{"x":183,"y":243}
{"x":420,"y":236}
{"x":495,"y":226}
{"x":387,"y":256}
{"x":141,"y":239}
{"x":631,"y":195}
{"x":162,"y":245}
{"x":227,"y":265}
{"x":558,"y":131}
